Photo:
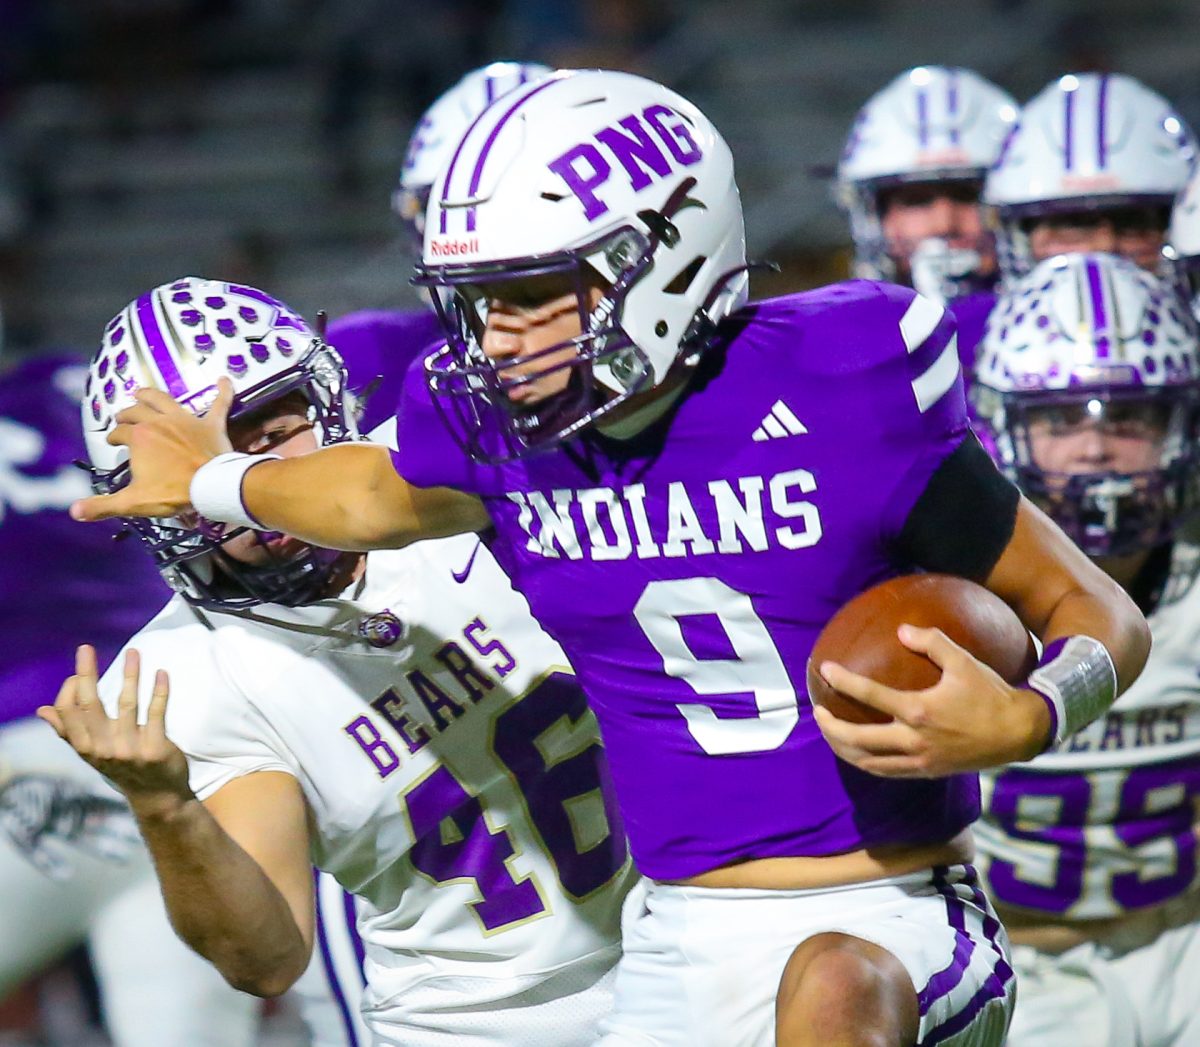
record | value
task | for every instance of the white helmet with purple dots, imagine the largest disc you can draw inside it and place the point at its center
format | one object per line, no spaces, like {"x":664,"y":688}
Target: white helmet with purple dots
{"x":1091,"y":344}
{"x":181,"y":337}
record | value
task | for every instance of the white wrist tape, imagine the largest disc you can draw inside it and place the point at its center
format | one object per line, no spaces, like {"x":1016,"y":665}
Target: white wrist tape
{"x":1077,"y":679}
{"x":216,"y":488}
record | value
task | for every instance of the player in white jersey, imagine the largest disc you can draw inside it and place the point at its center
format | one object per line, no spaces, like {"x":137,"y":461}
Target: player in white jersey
{"x":1089,"y":380}
{"x":418,"y":736}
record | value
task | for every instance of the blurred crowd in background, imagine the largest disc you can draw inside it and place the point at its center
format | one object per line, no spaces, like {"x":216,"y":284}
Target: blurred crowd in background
{"x":259,"y":140}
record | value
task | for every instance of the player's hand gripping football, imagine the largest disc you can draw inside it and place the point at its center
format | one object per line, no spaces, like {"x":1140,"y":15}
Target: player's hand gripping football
{"x":140,"y":760}
{"x":970,"y":719}
{"x":167,"y":444}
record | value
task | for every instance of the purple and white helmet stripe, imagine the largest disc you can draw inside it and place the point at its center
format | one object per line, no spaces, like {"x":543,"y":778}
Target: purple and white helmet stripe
{"x":1075,"y":313}
{"x":440,"y":128}
{"x":447,"y":199}
{"x":1086,"y":142}
{"x":930,"y":124}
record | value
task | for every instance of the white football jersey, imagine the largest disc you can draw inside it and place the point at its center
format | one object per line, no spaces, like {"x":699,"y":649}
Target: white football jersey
{"x":1104,"y":823}
{"x":453,"y":771}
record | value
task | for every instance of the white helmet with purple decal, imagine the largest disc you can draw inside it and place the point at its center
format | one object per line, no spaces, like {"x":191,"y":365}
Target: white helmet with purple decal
{"x":1086,"y":142}
{"x":589,"y":174}
{"x":930,"y":124}
{"x":1182,"y":249}
{"x":1090,"y":344}
{"x":442,"y":125}
{"x":181,"y":337}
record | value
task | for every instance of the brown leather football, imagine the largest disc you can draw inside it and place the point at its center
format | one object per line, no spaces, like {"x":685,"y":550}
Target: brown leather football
{"x":862,"y":637}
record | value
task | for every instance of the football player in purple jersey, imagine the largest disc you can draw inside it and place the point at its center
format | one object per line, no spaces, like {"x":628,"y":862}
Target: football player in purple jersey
{"x":72,"y":868}
{"x":910,"y":178}
{"x":1093,"y":164}
{"x":686,"y":488}
{"x":1090,"y":383}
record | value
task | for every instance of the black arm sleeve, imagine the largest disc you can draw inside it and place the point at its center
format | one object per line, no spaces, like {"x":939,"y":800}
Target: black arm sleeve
{"x":964,"y":518}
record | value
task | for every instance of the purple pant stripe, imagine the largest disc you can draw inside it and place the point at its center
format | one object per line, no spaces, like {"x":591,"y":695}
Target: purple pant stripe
{"x":945,"y":980}
{"x":352,"y":931}
{"x":157,"y":344}
{"x":332,"y":978}
{"x":993,"y":987}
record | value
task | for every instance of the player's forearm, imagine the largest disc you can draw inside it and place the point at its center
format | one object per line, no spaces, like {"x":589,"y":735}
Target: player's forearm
{"x":344,"y":497}
{"x":220,"y":901}
{"x":1106,"y":614}
{"x":350,"y":497}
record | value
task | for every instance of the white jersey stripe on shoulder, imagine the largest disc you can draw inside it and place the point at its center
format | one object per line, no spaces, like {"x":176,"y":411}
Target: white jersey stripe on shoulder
{"x":938,"y":378}
{"x":919,"y":321}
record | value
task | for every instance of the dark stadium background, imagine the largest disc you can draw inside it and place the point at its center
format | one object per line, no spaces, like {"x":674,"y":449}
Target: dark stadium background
{"x":259,"y":140}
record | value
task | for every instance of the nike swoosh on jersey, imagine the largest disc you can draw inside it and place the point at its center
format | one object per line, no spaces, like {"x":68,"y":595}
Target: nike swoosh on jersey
{"x":461,"y":576}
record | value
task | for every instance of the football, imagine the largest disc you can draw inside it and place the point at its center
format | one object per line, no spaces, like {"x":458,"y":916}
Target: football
{"x":862,"y":637}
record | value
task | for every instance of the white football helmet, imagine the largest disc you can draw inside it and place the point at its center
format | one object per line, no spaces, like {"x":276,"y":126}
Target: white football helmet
{"x":1182,"y":249}
{"x":1086,"y":142}
{"x":1093,"y":340}
{"x":930,"y":124}
{"x":591,"y":171}
{"x":181,"y":337}
{"x":442,"y":125}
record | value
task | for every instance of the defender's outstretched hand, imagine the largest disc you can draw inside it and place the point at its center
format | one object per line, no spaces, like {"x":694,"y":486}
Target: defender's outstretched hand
{"x":141,"y":761}
{"x":167,"y":444}
{"x":970,"y":719}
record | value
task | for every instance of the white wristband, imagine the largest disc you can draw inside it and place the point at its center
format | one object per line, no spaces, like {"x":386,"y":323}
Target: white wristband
{"x":1078,"y":680}
{"x":216,"y":488}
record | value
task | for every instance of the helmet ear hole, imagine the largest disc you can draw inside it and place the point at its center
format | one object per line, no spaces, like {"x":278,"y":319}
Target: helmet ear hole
{"x":683,"y":279}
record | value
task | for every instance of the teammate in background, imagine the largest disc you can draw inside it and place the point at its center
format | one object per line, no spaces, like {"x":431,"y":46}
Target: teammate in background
{"x":400,"y":719}
{"x":1090,"y":380}
{"x":1182,"y":250}
{"x":1094,"y":164}
{"x":713,"y":482}
{"x":910,"y":178}
{"x":72,"y":868}
{"x":383,"y":341}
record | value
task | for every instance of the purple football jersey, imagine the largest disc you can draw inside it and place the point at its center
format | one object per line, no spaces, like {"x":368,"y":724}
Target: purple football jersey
{"x":688,"y":571}
{"x":378,"y":346}
{"x":63,"y":583}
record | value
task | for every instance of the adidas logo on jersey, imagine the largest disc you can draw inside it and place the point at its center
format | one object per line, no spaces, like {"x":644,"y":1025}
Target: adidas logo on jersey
{"x":779,"y":423}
